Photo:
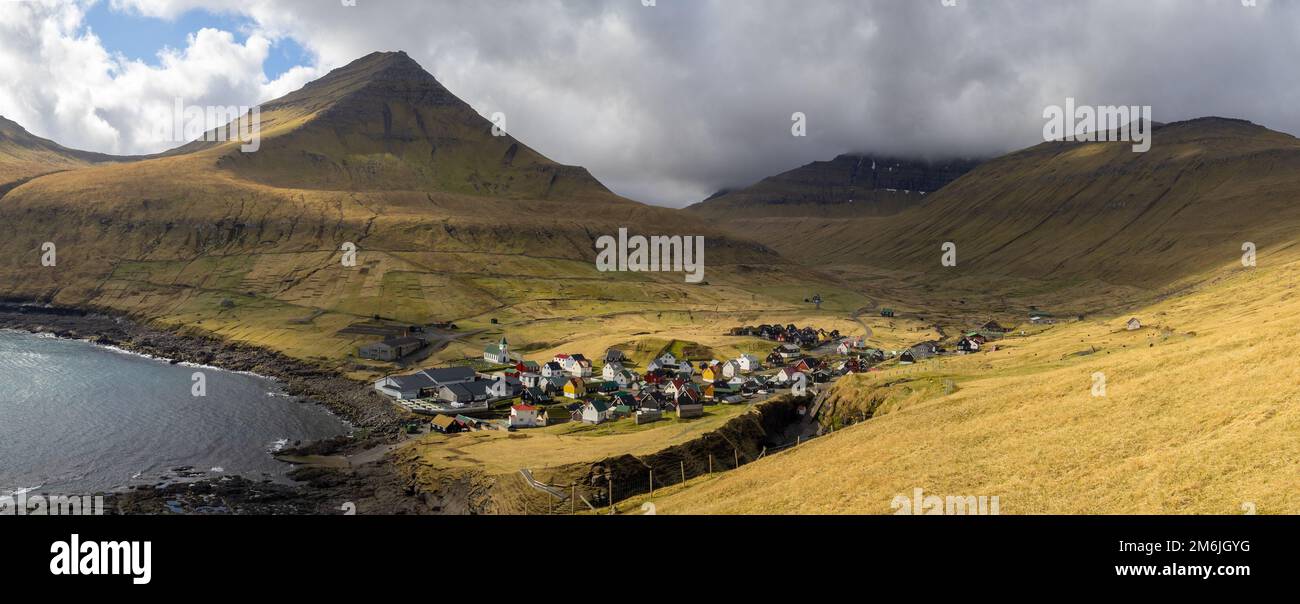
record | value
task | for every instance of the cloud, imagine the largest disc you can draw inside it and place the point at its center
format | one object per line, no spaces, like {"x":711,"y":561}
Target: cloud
{"x":668,"y":103}
{"x":61,"y":82}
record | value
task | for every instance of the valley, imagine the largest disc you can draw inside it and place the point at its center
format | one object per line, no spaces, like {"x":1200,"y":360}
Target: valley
{"x":1061,"y":243}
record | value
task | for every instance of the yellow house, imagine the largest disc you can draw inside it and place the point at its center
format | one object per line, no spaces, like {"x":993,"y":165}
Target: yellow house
{"x":575,"y":388}
{"x":711,"y":373}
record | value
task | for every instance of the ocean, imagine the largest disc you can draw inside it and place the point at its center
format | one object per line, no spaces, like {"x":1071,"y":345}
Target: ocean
{"x":77,"y":418}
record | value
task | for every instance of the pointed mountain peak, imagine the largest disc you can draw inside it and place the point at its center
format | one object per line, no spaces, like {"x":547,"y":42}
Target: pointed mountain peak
{"x":378,"y":76}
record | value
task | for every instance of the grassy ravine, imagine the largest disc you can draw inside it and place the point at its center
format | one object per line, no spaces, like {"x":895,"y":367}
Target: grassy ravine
{"x":1199,"y":416}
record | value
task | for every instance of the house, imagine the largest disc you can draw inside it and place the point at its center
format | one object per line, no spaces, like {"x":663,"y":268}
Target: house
{"x":788,"y":351}
{"x":536,"y":396}
{"x":667,"y":358}
{"x":719,"y":391}
{"x":530,"y":379}
{"x":967,"y":345}
{"x":656,"y":367}
{"x":925,"y":350}
{"x":528,"y":367}
{"x":614,"y":355}
{"x":595,"y":412}
{"x":690,"y":404}
{"x":1133,"y":324}
{"x":447,"y":424}
{"x":775,"y":359}
{"x":611,"y":369}
{"x":625,"y":379}
{"x":575,"y":388}
{"x":907,"y":358}
{"x":497,"y":353}
{"x":807,"y":365}
{"x":887,"y":312}
{"x":552,"y":369}
{"x":465,"y":393}
{"x":559,"y":415}
{"x":578,"y":366}
{"x":731,"y":369}
{"x":673,"y":387}
{"x":554,"y":385}
{"x":524,"y":416}
{"x":620,"y":411}
{"x":391,"y":349}
{"x":748,"y":363}
{"x":787,"y":375}
{"x":649,"y":400}
{"x":685,"y":371}
{"x":423,"y":384}
{"x":711,"y":373}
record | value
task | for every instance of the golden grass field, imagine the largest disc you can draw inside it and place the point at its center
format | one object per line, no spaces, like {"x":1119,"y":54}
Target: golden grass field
{"x":1199,"y":415}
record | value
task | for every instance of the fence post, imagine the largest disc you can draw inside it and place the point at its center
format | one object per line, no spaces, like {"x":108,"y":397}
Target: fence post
{"x":710,"y":464}
{"x":683,"y":471}
{"x":737,"y":452}
{"x":652,"y":482}
{"x":573,"y":498}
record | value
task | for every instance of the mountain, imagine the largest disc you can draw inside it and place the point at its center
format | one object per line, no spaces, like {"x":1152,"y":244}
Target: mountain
{"x":849,"y":185}
{"x":24,"y":155}
{"x":383,"y":123}
{"x":449,"y":223}
{"x":1078,"y":211}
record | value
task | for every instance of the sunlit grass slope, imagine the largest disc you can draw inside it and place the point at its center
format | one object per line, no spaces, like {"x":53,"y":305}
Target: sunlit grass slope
{"x":1200,"y":415}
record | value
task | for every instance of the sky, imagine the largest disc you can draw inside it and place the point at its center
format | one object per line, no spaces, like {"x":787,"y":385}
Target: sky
{"x":670,"y":102}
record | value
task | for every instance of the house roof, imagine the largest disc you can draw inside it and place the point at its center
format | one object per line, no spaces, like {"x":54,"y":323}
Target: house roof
{"x":524,"y":408}
{"x":450,"y":374}
{"x":444,"y":421}
{"x":599,"y":406}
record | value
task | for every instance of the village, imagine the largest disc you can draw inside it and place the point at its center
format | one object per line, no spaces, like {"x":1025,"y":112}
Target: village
{"x":503,"y":391}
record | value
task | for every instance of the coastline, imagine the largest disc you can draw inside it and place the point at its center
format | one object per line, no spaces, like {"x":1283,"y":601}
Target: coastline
{"x":373,"y":422}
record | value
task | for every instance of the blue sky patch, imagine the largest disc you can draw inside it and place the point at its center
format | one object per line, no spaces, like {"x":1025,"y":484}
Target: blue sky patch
{"x":141,"y":38}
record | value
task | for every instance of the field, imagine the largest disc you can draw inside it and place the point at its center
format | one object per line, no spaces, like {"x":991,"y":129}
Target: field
{"x":1198,"y":416}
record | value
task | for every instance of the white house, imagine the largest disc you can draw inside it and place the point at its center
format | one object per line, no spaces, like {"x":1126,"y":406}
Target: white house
{"x":530,"y":379}
{"x":552,"y":369}
{"x":610,"y":370}
{"x":667,"y":358}
{"x":524,"y":416}
{"x":731,"y":369}
{"x":1133,"y":324}
{"x":497,"y":353}
{"x":595,"y":412}
{"x":625,"y":379}
{"x":748,"y":363}
{"x":786,"y":376}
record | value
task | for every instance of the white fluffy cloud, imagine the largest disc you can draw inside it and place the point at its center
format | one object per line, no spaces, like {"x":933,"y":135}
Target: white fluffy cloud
{"x":667,"y":103}
{"x":63,"y":84}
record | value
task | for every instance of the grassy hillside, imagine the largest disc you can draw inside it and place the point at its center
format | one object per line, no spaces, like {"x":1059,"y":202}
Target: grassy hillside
{"x":1198,"y":417}
{"x":1072,"y":212}
{"x":248,"y":246}
{"x":24,"y":155}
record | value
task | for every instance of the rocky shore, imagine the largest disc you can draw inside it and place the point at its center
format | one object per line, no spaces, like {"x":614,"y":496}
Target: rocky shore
{"x":370,"y":487}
